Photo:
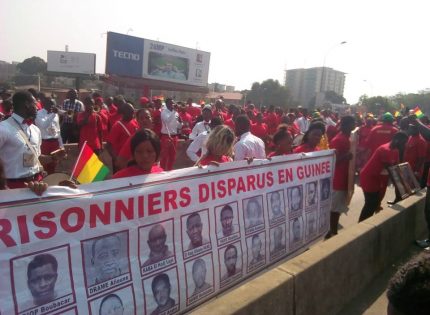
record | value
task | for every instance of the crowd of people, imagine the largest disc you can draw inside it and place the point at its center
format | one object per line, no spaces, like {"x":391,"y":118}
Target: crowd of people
{"x":34,"y":129}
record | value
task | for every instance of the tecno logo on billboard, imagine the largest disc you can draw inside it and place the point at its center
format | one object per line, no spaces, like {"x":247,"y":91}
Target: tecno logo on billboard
{"x":124,"y":55}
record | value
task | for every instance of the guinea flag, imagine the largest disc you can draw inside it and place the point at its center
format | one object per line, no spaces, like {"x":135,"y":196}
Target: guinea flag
{"x":88,"y":167}
{"x":418,"y":112}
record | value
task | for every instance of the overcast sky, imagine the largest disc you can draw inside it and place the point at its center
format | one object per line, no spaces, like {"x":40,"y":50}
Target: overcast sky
{"x":387,"y":50}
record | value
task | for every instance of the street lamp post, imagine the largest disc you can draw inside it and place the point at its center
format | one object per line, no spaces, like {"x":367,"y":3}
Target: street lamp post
{"x":323,"y":71}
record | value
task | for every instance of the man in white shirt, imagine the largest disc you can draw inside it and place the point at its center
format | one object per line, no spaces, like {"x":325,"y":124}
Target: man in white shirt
{"x":199,"y":143}
{"x":248,"y":146}
{"x":303,"y":122}
{"x":204,"y":125}
{"x":20,"y":142}
{"x":49,"y":124}
{"x":170,"y":124}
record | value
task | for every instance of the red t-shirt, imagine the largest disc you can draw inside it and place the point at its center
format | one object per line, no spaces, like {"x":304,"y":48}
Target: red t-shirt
{"x":272,"y":122}
{"x":134,"y":170}
{"x":371,"y":179}
{"x":380,"y":135}
{"x":220,"y":114}
{"x":104,"y":115}
{"x":331,"y":132}
{"x":259,"y":130}
{"x":125,"y":152}
{"x":118,"y":134}
{"x":416,"y":148}
{"x":230,"y":123}
{"x":341,"y":144}
{"x":90,"y":131}
{"x":156,"y":121}
{"x":210,"y":158}
{"x":363,"y":133}
{"x":194,"y":112}
{"x":305,"y":148}
{"x":187,"y":123}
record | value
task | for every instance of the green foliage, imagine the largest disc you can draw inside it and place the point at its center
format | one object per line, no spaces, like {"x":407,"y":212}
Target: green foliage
{"x":33,"y":65}
{"x":269,"y":92}
{"x":334,"y":98}
{"x":378,"y":104}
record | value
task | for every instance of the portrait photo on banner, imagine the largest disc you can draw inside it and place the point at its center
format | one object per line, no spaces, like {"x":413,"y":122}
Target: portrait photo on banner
{"x":118,"y":302}
{"x":106,"y":261}
{"x":295,"y":199}
{"x":162,"y":293}
{"x":276,"y":206}
{"x":256,"y":251}
{"x":230,"y":263}
{"x":324,"y":217}
{"x":42,"y":280}
{"x":278,"y":241}
{"x":296,"y":231}
{"x":195,"y":233}
{"x":325,"y":188}
{"x":311,"y":194}
{"x":311,"y":224}
{"x":200,"y":278}
{"x":227,"y":222}
{"x":253,"y":214}
{"x":156,"y":246}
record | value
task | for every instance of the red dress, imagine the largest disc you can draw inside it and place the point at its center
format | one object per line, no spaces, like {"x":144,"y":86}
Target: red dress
{"x":134,"y":170}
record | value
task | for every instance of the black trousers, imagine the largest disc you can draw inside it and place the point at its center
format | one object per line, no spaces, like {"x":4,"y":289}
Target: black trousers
{"x":423,"y":181}
{"x":371,"y":204}
{"x":70,"y":133}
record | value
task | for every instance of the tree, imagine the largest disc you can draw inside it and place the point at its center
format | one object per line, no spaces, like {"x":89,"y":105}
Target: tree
{"x":32,"y":66}
{"x":334,"y":98}
{"x":269,"y":92}
{"x":378,"y":104}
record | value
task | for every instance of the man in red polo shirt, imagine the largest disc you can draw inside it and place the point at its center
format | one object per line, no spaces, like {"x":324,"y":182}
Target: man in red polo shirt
{"x":194,"y":110}
{"x":415,"y":150}
{"x":342,"y":145}
{"x":187,"y":121}
{"x":260,"y":129}
{"x":374,"y":175}
{"x":272,"y":120}
{"x":234,"y":111}
{"x":381,"y":134}
{"x":115,"y":110}
{"x":120,"y":132}
{"x":219,"y":110}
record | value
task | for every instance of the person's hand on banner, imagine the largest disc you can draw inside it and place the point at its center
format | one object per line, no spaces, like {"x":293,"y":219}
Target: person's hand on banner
{"x":249,"y":159}
{"x":37,"y":187}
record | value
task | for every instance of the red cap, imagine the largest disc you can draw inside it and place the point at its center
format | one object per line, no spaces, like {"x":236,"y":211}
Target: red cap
{"x":144,"y":100}
{"x":98,"y":99}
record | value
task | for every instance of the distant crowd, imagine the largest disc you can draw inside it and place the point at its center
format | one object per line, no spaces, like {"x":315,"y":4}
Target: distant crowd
{"x":34,"y":129}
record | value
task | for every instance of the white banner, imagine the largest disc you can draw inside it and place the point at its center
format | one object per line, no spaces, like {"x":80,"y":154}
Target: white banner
{"x":161,"y":243}
{"x":71,"y":62}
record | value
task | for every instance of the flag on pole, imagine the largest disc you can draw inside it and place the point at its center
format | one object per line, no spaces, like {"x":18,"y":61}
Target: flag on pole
{"x":88,"y":167}
{"x":418,"y":112}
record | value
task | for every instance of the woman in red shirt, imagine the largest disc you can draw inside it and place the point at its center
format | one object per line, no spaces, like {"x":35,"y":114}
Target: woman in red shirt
{"x":283,"y":141}
{"x":90,"y":127}
{"x":373,"y":176}
{"x":312,"y":138}
{"x":145,"y":147}
{"x":219,"y":146}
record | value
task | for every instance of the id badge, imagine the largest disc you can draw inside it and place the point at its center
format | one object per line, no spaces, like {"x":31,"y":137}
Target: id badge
{"x":28,"y":160}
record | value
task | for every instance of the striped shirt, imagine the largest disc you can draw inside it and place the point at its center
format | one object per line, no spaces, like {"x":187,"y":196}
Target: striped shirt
{"x":71,"y":108}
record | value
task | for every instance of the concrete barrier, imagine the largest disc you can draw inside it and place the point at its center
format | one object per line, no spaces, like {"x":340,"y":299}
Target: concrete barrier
{"x":329,"y":275}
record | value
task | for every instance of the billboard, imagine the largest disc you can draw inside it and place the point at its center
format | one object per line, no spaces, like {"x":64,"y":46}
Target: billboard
{"x":143,"y":58}
{"x":71,"y":62}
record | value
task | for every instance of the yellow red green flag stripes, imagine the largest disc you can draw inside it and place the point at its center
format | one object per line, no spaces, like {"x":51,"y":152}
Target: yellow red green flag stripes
{"x":418,"y":112}
{"x":88,"y":167}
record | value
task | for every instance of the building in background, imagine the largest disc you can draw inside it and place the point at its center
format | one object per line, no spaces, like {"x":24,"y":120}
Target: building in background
{"x":306,"y":84}
{"x":7,"y":70}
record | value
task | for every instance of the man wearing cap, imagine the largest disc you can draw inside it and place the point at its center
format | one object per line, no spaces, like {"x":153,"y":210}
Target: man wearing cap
{"x":170,"y":124}
{"x":382,"y":133}
{"x":144,"y":102}
{"x":202,"y":125}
